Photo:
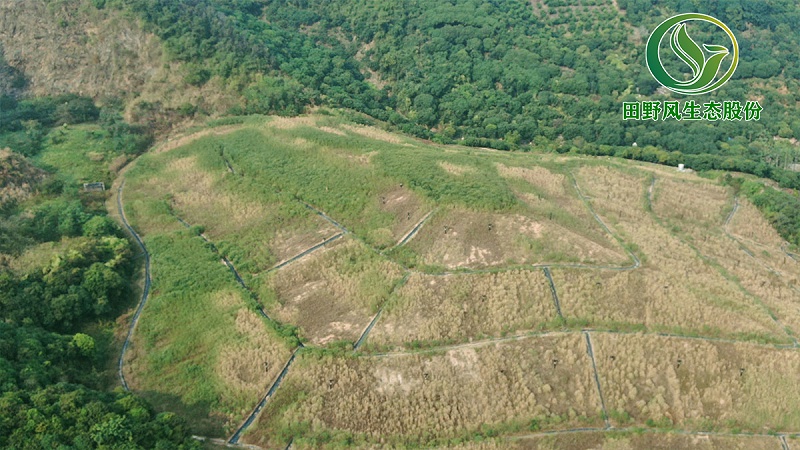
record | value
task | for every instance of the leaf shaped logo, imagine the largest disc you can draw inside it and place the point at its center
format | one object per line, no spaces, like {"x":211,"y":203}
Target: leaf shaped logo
{"x":688,"y":50}
{"x":704,"y":69}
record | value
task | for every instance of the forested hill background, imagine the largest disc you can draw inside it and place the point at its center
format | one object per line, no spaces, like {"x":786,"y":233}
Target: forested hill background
{"x":503,"y":73}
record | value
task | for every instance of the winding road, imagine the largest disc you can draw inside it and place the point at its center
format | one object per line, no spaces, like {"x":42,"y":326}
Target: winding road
{"x":145,"y":289}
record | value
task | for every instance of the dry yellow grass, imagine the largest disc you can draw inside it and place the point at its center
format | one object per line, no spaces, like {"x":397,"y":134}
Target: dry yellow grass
{"x":634,"y":441}
{"x":289,"y":243}
{"x":180,"y":141}
{"x":197,"y":194}
{"x":242,"y":363}
{"x":598,"y":440}
{"x":374,"y":133}
{"x":769,"y":275}
{"x":461,"y":307}
{"x":332,"y":130}
{"x":40,"y":255}
{"x":18,"y":178}
{"x":407,"y":208}
{"x":250,"y":363}
{"x":333,"y":295}
{"x":661,"y":301}
{"x":703,"y":203}
{"x":202,"y":197}
{"x":675,"y":288}
{"x":665,"y":171}
{"x":451,"y":393}
{"x":456,"y":169}
{"x":697,"y":384}
{"x":750,"y":225}
{"x":362,"y":159}
{"x":549,"y":182}
{"x":555,"y":189}
{"x":457,"y":237}
{"x":288,"y":123}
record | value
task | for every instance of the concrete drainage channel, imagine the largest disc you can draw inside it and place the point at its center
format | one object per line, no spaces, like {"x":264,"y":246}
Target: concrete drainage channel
{"x":257,"y":410}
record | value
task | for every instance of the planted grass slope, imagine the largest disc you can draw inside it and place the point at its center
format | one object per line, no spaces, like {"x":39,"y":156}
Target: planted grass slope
{"x":762,"y":271}
{"x":256,"y":193}
{"x":676,"y":289}
{"x":698,"y":385}
{"x":199,"y":349}
{"x":412,"y":398}
{"x":333,"y":295}
{"x":432,"y":309}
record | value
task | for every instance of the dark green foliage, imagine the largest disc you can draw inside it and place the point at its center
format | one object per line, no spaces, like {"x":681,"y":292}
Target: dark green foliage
{"x":47,"y":111}
{"x":701,"y":162}
{"x":51,"y":220}
{"x":280,"y":96}
{"x":82,"y":283}
{"x":32,"y":358}
{"x":72,"y":416}
{"x":24,"y":124}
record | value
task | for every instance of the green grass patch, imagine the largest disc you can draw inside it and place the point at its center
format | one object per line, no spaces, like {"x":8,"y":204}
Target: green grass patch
{"x":80,"y":153}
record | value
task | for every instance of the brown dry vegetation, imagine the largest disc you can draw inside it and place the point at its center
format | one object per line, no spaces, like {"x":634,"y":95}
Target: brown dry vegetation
{"x":750,"y":225}
{"x":772,"y":277}
{"x":702,"y":203}
{"x":598,"y":440}
{"x":639,"y":299}
{"x":288,"y":123}
{"x":332,"y":130}
{"x":461,"y":238}
{"x":633,"y":441}
{"x":413,"y":397}
{"x":250,"y":364}
{"x":333,"y":295}
{"x":695,"y":279}
{"x":180,"y":141}
{"x":18,"y":178}
{"x":374,"y":133}
{"x":644,"y":381}
{"x":39,"y":255}
{"x":675,"y":289}
{"x":244,"y":362}
{"x":71,"y":47}
{"x":555,"y":190}
{"x":100,"y":53}
{"x":461,"y":307}
{"x":456,"y":169}
{"x":407,"y":209}
{"x":202,"y":197}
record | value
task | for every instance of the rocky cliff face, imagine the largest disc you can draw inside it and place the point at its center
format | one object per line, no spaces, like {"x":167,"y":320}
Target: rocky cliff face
{"x":68,"y":46}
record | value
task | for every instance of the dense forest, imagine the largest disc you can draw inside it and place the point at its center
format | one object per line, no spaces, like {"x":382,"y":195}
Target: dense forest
{"x":65,"y":271}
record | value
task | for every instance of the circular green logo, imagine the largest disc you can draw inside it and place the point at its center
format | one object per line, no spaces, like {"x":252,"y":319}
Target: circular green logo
{"x":705,"y":65}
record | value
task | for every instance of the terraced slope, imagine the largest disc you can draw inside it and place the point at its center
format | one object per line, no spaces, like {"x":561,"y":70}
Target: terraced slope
{"x":323,"y":284}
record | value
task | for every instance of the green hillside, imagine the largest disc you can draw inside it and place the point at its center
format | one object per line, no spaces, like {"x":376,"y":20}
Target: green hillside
{"x":434,"y":295}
